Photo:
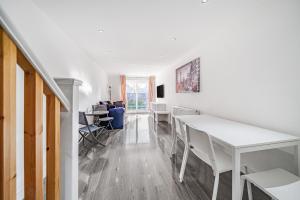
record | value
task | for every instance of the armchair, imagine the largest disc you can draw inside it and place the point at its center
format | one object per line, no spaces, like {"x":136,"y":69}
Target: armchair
{"x":108,"y":104}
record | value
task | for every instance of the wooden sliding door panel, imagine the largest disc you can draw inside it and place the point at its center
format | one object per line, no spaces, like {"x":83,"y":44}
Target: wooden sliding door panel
{"x":33,"y":139}
{"x":8,"y":58}
{"x":53,"y":147}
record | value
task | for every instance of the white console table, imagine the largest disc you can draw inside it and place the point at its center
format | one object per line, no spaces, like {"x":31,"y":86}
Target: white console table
{"x":159,"y":109}
{"x":154,"y":106}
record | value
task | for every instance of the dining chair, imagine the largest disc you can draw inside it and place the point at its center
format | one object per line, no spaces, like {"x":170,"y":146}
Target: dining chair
{"x":200,"y":143}
{"x":99,"y":107}
{"x":176,"y":131}
{"x":278,"y":183}
{"x":88,"y":129}
{"x":105,"y":119}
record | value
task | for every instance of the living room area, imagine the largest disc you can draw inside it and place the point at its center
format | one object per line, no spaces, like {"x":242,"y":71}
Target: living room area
{"x":136,"y":93}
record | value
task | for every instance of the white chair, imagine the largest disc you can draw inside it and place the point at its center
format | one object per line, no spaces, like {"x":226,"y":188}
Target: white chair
{"x":200,"y":143}
{"x":277,"y":183}
{"x":176,"y":132}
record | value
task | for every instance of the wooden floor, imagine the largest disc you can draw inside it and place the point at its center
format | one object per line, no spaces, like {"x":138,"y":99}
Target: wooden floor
{"x":136,"y":165}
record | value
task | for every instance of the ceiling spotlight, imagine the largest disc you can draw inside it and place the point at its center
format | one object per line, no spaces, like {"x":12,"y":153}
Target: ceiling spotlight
{"x":100,"y":30}
{"x":203,"y":1}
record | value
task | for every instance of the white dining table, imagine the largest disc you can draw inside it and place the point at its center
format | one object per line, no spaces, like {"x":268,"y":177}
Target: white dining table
{"x":241,"y":138}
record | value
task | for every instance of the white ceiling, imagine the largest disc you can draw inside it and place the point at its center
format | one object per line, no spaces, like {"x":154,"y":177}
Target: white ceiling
{"x":138,"y":35}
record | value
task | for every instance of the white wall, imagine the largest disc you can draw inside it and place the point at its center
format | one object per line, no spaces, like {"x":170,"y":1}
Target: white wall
{"x":44,"y":137}
{"x":249,"y":65}
{"x":59,"y":55}
{"x":115,"y":83}
{"x":20,"y":133}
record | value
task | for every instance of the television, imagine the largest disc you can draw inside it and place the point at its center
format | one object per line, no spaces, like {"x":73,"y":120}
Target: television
{"x":160,"y":91}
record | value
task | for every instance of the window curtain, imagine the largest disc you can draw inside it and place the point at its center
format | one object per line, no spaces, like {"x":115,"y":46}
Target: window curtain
{"x":123,"y":88}
{"x":151,"y":91}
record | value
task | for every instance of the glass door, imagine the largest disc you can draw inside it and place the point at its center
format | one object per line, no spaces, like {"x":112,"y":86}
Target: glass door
{"x":131,"y":95}
{"x":137,"y":95}
{"x":142,"y":95}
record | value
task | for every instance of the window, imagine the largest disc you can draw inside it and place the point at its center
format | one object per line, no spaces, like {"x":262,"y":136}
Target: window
{"x":137,"y":94}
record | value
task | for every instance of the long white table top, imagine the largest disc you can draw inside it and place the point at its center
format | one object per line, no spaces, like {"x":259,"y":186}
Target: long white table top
{"x":235,"y":134}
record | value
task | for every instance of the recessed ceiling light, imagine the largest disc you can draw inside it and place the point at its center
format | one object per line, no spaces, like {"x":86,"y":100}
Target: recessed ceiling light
{"x":100,"y":30}
{"x":203,"y":1}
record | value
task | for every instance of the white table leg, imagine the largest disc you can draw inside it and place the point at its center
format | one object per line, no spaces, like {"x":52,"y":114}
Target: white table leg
{"x":236,"y":186}
{"x":156,"y":122}
{"x":297,"y":158}
{"x":153,"y":120}
{"x":298,"y":155}
{"x":174,"y":137}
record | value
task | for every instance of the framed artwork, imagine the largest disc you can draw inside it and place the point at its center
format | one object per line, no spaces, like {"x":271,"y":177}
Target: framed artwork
{"x":188,"y":77}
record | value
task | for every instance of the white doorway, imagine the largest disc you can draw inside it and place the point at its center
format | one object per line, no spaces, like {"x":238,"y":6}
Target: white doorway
{"x":137,"y":95}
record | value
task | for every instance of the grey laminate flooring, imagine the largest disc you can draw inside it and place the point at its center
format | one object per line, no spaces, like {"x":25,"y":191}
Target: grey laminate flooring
{"x":136,"y":165}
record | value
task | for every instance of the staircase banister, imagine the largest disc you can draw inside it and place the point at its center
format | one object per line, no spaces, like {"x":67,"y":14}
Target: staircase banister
{"x":23,"y":47}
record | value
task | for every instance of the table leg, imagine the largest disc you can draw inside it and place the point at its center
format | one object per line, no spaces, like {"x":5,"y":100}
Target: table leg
{"x":174,"y":137}
{"x":297,"y":158}
{"x":156,"y":122}
{"x":153,"y":117}
{"x":236,"y":186}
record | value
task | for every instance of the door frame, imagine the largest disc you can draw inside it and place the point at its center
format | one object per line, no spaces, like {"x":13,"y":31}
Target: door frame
{"x":136,"y":79}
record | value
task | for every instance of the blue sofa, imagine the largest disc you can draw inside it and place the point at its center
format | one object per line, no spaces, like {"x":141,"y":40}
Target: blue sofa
{"x":118,"y":115}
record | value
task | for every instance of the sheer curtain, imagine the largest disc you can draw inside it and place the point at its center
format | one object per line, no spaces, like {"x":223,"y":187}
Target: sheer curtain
{"x":151,"y":91}
{"x":123,"y":88}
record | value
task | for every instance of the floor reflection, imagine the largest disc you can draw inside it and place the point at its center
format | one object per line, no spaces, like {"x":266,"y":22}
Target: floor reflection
{"x":136,"y":164}
{"x":137,"y":130}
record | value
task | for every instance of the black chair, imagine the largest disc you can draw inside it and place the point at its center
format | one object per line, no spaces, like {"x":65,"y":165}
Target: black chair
{"x":87,"y":130}
{"x":99,"y":107}
{"x":119,"y":104}
{"x":108,"y":104}
{"x":104,"y":119}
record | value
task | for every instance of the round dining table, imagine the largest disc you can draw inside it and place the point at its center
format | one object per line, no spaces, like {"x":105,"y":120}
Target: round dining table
{"x":97,"y":113}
